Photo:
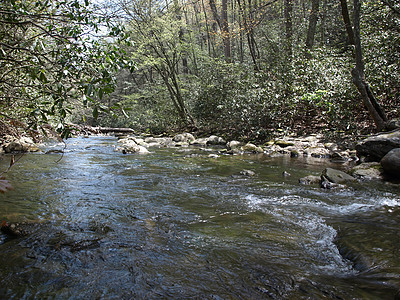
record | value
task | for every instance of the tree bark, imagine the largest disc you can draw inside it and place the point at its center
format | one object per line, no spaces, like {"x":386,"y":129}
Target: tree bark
{"x":347,"y":22}
{"x":288,"y":10}
{"x":359,"y":81}
{"x":313,"y":24}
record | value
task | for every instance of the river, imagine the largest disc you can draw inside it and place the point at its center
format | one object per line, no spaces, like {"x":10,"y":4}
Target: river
{"x":176,"y":224}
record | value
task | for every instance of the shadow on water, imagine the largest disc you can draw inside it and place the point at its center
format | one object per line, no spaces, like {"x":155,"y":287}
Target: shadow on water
{"x":178,"y":224}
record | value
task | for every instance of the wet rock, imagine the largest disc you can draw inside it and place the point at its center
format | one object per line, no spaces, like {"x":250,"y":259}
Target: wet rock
{"x":248,"y":173}
{"x":327,"y":184}
{"x":367,"y":171}
{"x":252,"y":148}
{"x":339,"y":157}
{"x":377,"y":146}
{"x":54,"y":151}
{"x":18,"y":229}
{"x":215,"y":140}
{"x":336,"y":176}
{"x":311,"y":179}
{"x":213,"y":156}
{"x":294,"y":153}
{"x":184,"y":138}
{"x":391,"y":163}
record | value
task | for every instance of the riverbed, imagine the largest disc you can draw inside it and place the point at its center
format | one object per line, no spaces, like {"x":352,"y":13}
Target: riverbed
{"x":178,"y":224}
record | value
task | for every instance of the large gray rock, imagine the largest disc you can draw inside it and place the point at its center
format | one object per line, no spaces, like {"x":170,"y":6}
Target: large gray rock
{"x":377,"y":146}
{"x":216,"y":140}
{"x":337,"y":176}
{"x":391,"y":163}
{"x":184,"y":138}
{"x":129,"y":146}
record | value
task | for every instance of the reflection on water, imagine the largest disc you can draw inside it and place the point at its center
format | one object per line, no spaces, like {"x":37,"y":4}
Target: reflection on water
{"x":171,"y":224}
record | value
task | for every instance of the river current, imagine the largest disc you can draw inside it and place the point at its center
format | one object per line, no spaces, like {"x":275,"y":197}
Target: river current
{"x":177,"y":224}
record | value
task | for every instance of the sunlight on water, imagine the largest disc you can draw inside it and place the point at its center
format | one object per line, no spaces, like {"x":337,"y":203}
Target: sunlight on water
{"x":177,"y":224}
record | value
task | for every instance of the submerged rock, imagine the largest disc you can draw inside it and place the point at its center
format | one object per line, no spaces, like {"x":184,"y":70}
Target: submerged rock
{"x":377,"y":146}
{"x":336,"y":176}
{"x":391,"y":163}
{"x":18,"y":229}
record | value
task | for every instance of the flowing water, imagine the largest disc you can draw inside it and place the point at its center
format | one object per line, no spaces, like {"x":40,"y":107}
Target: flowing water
{"x":176,"y":224}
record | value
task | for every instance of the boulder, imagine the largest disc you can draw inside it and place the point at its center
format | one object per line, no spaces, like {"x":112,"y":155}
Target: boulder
{"x":23,"y":144}
{"x":232,"y":145}
{"x":391,"y":163}
{"x":216,"y":140}
{"x":129,"y":146}
{"x":336,"y":176}
{"x":252,"y":148}
{"x":375,"y":147}
{"x":200,"y":142}
{"x":158,"y":142}
{"x":368,"y":171}
{"x":184,"y":138}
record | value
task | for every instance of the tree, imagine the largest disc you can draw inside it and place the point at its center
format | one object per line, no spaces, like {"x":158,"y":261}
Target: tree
{"x":50,"y":58}
{"x":159,"y":44}
{"x":312,"y":24}
{"x":358,"y":74}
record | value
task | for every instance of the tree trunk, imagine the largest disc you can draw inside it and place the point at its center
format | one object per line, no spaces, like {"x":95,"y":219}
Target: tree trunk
{"x":312,"y":25}
{"x":288,"y":10}
{"x":223,"y":26}
{"x":347,"y":22}
{"x":367,"y":95}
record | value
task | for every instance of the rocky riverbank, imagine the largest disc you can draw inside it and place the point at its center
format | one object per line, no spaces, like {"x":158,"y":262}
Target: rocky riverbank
{"x":374,"y":158}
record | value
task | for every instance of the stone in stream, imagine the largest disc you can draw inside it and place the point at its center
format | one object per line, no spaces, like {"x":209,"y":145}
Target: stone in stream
{"x":248,"y":173}
{"x":311,"y":179}
{"x":249,"y":147}
{"x":128,"y":145}
{"x":367,"y":171}
{"x":215,"y":140}
{"x":375,"y":147}
{"x":336,"y":176}
{"x":391,"y":163}
{"x":18,"y":229}
{"x":184,"y":138}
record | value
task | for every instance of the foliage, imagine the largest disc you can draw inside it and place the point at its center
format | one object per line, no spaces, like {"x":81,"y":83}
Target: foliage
{"x":49,"y":59}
